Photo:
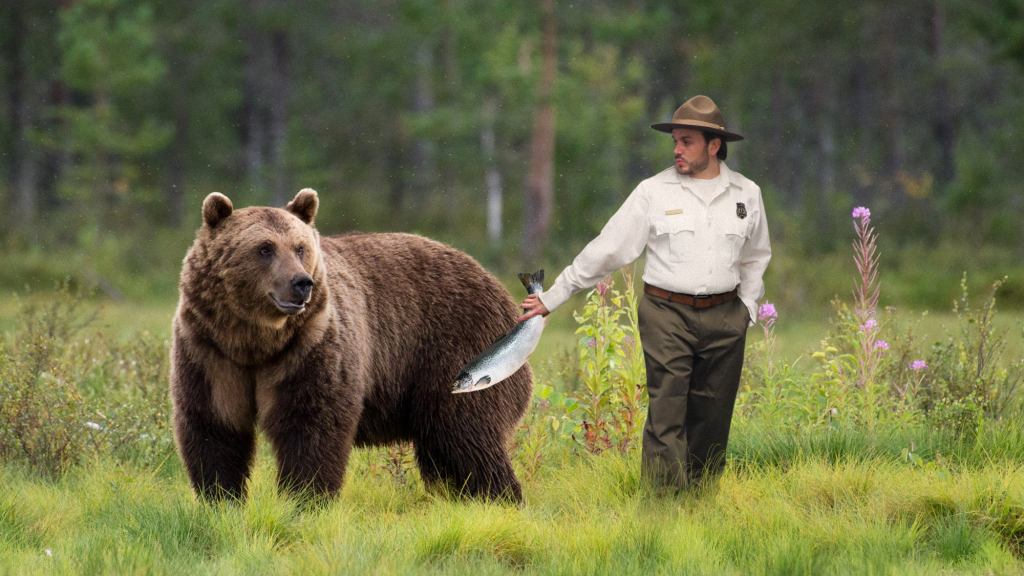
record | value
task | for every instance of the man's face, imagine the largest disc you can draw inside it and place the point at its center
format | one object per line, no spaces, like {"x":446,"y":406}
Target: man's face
{"x":691,"y":151}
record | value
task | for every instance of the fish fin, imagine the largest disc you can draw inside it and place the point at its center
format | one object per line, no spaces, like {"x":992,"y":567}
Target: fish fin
{"x":534,"y":282}
{"x":482,"y":382}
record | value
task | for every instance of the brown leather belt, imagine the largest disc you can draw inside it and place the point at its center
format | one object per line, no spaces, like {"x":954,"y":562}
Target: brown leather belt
{"x":699,"y":302}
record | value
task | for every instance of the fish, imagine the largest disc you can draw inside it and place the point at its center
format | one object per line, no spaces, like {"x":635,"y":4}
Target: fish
{"x":508,"y":354}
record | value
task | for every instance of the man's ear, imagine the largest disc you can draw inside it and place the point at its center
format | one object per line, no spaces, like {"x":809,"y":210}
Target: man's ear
{"x":304,"y":205}
{"x":216,"y":207}
{"x":714,"y":145}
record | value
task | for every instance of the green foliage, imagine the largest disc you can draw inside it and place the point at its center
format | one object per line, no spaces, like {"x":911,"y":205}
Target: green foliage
{"x":869,"y":375}
{"x":967,"y":377}
{"x":611,"y":368}
{"x":42,"y":413}
{"x":825,"y":493}
{"x":109,"y":49}
{"x":126,"y":110}
{"x":67,"y":399}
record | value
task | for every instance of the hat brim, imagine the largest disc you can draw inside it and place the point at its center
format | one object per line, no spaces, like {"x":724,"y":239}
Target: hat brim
{"x":668,"y":127}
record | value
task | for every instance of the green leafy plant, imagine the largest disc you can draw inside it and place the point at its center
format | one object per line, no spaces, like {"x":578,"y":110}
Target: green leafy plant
{"x":611,"y":398}
{"x":65,"y":397}
{"x":966,"y":373}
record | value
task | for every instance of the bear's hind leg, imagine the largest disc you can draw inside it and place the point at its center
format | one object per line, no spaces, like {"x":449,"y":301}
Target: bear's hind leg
{"x":477,"y":468}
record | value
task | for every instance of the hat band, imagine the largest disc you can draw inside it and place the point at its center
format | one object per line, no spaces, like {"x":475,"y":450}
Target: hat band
{"x":700,"y":123}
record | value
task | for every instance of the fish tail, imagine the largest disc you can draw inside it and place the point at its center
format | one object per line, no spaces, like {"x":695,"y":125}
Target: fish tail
{"x":534,"y":282}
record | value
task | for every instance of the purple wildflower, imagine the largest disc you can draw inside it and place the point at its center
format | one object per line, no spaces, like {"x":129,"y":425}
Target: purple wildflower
{"x":918,"y":365}
{"x":881,"y":345}
{"x":861,"y":213}
{"x":604,"y":285}
{"x":591,"y":342}
{"x":766,"y":313}
{"x":868,"y":326}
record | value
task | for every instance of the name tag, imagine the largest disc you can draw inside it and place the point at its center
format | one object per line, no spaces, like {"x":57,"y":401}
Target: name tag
{"x":673,"y":212}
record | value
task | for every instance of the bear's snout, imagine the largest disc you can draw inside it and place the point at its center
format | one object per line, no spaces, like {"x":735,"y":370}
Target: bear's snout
{"x":302,"y":286}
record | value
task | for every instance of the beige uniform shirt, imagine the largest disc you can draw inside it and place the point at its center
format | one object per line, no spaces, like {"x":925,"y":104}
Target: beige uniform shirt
{"x":695,"y":243}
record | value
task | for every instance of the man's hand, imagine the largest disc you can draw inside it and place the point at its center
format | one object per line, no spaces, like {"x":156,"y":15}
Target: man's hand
{"x":532,"y":306}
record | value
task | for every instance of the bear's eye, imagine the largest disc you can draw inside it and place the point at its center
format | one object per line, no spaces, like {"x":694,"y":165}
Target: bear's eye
{"x":266,"y":250}
{"x":301,"y":251}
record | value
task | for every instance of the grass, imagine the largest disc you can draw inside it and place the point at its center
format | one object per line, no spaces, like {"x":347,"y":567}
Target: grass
{"x":582,"y":516}
{"x":840,"y":501}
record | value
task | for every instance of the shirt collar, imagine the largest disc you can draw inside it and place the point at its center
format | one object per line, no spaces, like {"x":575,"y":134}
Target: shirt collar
{"x":721,"y":184}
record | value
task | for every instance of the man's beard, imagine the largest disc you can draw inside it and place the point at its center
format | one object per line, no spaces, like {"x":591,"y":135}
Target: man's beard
{"x":696,"y":166}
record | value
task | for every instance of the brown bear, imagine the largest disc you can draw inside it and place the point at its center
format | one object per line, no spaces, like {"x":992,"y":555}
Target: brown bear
{"x":325,"y":343}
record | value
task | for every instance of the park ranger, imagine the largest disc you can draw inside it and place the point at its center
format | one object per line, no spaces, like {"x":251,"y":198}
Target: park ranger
{"x":702,"y":228}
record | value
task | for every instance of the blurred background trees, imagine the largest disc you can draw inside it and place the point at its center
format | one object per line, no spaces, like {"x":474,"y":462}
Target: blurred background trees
{"x":511,"y":129}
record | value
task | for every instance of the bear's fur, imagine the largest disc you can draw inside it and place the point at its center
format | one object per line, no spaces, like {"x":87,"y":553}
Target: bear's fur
{"x":368,"y":357}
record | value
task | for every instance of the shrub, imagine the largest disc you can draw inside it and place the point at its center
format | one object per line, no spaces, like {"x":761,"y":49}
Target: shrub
{"x":611,"y":399}
{"x":42,"y":415}
{"x":64,"y":398}
{"x":966,"y":371}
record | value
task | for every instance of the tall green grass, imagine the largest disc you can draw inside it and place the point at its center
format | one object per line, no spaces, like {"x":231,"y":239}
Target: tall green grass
{"x":809,"y":514}
{"x":829,"y":472}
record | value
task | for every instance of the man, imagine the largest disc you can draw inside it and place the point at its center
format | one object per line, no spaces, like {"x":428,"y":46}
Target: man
{"x":703,"y":229}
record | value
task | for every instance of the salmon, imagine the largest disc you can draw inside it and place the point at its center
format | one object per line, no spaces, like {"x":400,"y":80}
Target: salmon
{"x":503,"y":358}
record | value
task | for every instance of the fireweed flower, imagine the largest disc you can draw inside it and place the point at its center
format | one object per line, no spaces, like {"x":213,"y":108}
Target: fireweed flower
{"x":868,"y":326}
{"x":604,"y":285}
{"x":881,"y":345}
{"x":861,"y":213}
{"x":918,"y":365}
{"x":766,"y":313}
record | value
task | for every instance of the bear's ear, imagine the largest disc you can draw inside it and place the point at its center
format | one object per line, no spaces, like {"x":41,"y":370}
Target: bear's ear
{"x":216,"y":207}
{"x":304,"y":205}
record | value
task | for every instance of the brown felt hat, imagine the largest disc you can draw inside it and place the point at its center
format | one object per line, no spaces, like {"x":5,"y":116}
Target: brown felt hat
{"x":702,"y":113}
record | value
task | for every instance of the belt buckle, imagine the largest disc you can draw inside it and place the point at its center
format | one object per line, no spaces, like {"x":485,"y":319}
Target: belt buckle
{"x":702,"y":301}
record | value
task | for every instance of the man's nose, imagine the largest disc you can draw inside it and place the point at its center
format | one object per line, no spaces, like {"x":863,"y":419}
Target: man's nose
{"x":302,"y":286}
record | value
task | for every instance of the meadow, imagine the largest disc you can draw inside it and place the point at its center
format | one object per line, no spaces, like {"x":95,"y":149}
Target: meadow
{"x":865,"y":440}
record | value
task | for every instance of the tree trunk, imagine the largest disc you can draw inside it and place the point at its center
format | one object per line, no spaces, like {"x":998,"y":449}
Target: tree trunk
{"x":780,"y":173}
{"x":253,"y":132}
{"x":826,"y":139}
{"x":893,"y":137}
{"x":540,"y":180}
{"x":493,"y":177}
{"x":424,"y":157}
{"x":943,"y":126}
{"x":280,"y":84}
{"x":22,"y":165}
{"x":174,"y":194}
{"x":55,"y":159}
{"x":863,"y":113}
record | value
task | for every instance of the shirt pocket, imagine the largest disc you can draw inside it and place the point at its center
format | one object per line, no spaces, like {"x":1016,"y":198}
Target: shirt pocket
{"x":736,"y":233}
{"x":676,"y":234}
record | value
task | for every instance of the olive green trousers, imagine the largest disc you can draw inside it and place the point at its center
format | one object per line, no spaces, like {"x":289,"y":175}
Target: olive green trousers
{"x":694,"y":359}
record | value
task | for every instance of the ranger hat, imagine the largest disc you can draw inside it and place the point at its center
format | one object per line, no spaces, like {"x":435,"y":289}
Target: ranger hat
{"x":702,"y":113}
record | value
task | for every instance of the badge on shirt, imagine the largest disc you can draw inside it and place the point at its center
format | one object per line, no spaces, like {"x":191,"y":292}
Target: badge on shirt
{"x":741,"y":210}
{"x":673,"y":212}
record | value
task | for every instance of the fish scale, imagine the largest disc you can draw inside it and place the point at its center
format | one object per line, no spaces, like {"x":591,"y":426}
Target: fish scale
{"x":508,"y":354}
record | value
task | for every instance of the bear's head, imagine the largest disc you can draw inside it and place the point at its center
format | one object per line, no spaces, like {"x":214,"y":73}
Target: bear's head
{"x":260,"y":264}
